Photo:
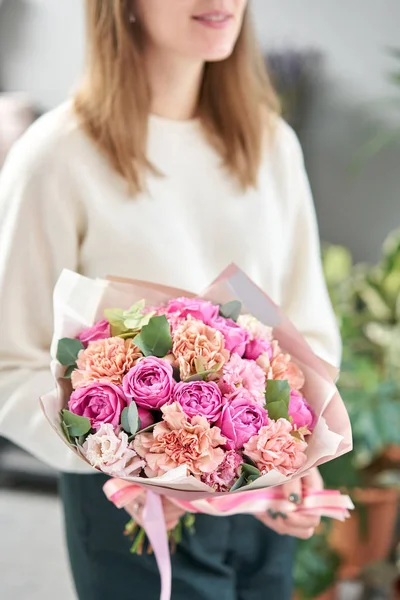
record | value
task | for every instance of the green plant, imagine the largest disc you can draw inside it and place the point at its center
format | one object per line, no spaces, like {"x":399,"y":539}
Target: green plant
{"x":316,"y":566}
{"x":366,"y":300}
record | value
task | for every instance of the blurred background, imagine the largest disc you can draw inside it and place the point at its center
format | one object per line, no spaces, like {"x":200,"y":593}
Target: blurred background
{"x":336,"y":66}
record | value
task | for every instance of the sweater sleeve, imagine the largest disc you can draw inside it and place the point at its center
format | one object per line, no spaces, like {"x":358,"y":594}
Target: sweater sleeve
{"x":304,"y":293}
{"x":39,"y":236}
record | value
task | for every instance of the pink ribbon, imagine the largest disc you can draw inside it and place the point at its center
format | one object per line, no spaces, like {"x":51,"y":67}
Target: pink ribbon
{"x":123,"y":494}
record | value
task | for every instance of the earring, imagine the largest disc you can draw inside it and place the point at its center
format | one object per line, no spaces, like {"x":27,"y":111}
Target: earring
{"x":132,"y":18}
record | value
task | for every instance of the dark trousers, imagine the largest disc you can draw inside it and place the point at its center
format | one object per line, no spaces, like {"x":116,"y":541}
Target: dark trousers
{"x":231,"y":558}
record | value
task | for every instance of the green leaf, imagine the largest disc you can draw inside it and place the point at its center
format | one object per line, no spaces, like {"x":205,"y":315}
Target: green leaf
{"x":277,"y":398}
{"x":68,"y":350}
{"x":133,"y":418}
{"x":69,"y":371}
{"x":130,"y":419}
{"x":202,"y":375}
{"x":76,"y":425}
{"x":124,"y":420}
{"x":66,"y":432}
{"x":134,"y":318}
{"x":239,"y":483}
{"x":147,"y":429}
{"x":155,"y":338}
{"x":115,"y":316}
{"x":231,"y":310}
{"x":248,"y":474}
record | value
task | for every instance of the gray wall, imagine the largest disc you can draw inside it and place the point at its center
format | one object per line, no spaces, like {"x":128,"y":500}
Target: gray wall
{"x":41,"y":49}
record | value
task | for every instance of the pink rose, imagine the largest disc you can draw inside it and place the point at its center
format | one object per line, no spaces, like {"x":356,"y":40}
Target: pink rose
{"x":199,"y":309}
{"x":99,"y":331}
{"x":149,"y":383}
{"x":240,"y":420}
{"x":256,"y":347}
{"x":110,"y":452}
{"x":101,"y":402}
{"x":146,"y":418}
{"x":223,"y":478}
{"x":178,"y":440}
{"x":243,"y":375}
{"x":301,"y":412}
{"x":199,"y":398}
{"x":235,"y":336}
{"x":275,"y":449}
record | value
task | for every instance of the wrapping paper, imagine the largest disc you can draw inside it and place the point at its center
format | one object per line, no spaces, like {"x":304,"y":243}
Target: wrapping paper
{"x":79,"y":302}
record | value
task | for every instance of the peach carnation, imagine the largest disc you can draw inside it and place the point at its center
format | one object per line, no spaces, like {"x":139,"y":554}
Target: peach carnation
{"x":178,"y":440}
{"x":105,"y":360}
{"x":275,"y":449}
{"x":194,"y":341}
{"x":281,"y":367}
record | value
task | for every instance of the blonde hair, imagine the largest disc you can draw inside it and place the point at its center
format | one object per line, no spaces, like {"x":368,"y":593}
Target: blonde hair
{"x":113,"y":102}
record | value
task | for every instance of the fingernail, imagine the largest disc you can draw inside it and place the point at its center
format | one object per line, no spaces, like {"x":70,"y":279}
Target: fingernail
{"x":282,"y":515}
{"x":273,"y":514}
{"x":295,"y":498}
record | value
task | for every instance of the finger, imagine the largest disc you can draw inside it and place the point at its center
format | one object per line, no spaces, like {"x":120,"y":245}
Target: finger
{"x":293,"y":491}
{"x":312,"y":481}
{"x":281,"y":527}
{"x":303,"y":521}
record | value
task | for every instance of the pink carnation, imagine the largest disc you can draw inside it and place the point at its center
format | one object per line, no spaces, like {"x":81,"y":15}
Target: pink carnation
{"x":105,"y":360}
{"x":99,"y":331}
{"x":111,"y":452}
{"x":178,"y":440}
{"x":223,"y":478}
{"x":243,"y":375}
{"x":281,"y":367}
{"x":275,"y":448}
{"x":174,"y":318}
{"x":195,"y":342}
{"x":255,"y":328}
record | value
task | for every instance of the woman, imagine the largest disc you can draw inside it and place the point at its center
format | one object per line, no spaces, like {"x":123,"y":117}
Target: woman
{"x":169,"y":164}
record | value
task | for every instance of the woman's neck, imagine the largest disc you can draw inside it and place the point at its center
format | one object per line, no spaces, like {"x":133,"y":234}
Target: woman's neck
{"x":174,"y":85}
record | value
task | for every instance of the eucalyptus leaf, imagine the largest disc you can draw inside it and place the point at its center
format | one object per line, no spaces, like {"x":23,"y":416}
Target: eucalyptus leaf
{"x":202,"y":376}
{"x":66,"y":433}
{"x":125,"y":420}
{"x":133,"y":418}
{"x":239,"y":483}
{"x":250,"y":473}
{"x":68,"y":350}
{"x":277,"y":399}
{"x":135,"y":318}
{"x":147,"y":429}
{"x":155,"y":338}
{"x":75,"y":424}
{"x":231,"y":310}
{"x":69,"y":371}
{"x":115,"y":316}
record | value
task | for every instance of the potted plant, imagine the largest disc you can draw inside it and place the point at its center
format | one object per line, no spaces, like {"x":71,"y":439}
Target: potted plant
{"x":367,"y":303}
{"x":317,"y":567}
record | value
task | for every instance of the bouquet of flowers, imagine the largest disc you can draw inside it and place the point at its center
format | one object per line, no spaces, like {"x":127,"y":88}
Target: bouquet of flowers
{"x":210,"y":401}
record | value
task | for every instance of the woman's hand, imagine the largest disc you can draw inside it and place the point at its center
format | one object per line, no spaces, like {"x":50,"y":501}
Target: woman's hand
{"x":295,"y":524}
{"x":172,"y":513}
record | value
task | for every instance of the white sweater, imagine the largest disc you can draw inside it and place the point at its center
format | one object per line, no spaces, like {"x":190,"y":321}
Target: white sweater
{"x":62,"y":206}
